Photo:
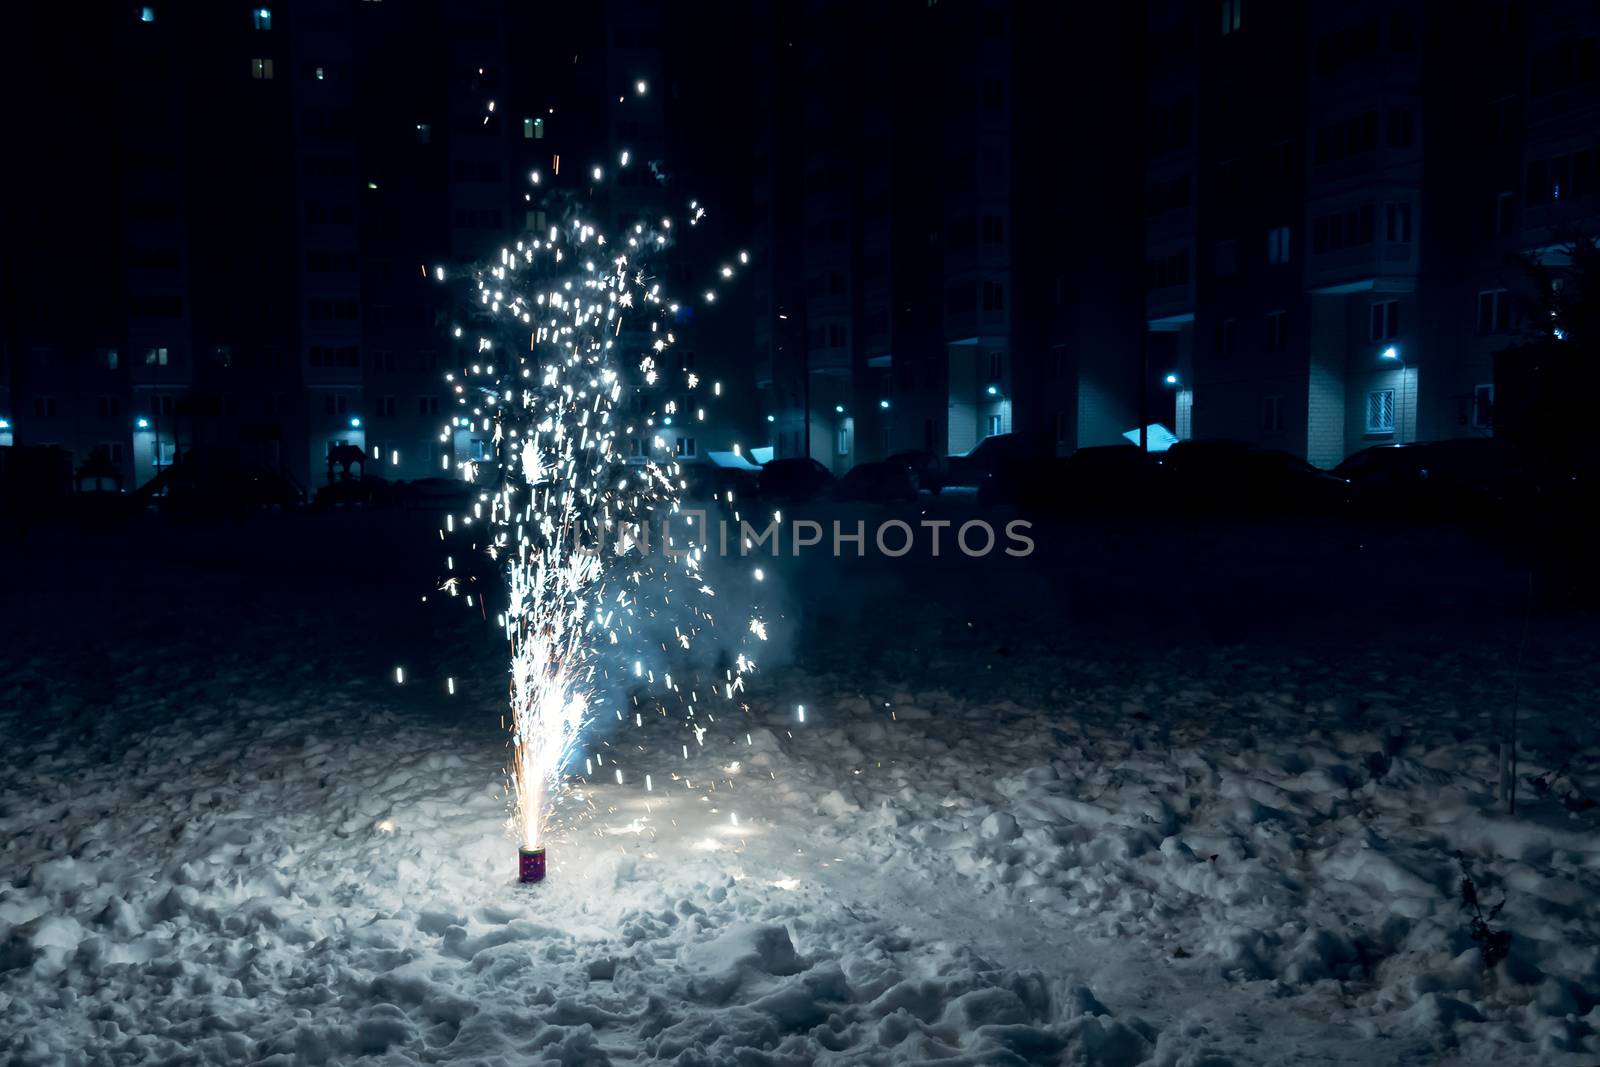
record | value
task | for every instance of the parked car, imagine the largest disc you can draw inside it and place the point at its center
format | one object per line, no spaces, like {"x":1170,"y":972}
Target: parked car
{"x":928,"y":469}
{"x":1236,"y":477}
{"x":985,"y":459}
{"x":353,"y":493}
{"x":1111,"y":478}
{"x":208,"y":485}
{"x":434,"y":494}
{"x":1029,"y":482}
{"x":721,"y":474}
{"x":1459,"y":478}
{"x":881,"y":482}
{"x":800,"y":478}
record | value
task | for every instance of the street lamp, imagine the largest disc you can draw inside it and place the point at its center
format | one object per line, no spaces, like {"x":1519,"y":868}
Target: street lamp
{"x":993,"y":390}
{"x":1171,"y":379}
{"x":884,"y":404}
{"x":1392,"y":355}
{"x":355,"y":422}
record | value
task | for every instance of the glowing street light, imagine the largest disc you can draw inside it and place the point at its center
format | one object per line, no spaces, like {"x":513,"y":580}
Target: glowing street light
{"x":355,"y":422}
{"x":1171,"y":379}
{"x":884,"y":404}
{"x":1392,"y":355}
{"x":142,"y":423}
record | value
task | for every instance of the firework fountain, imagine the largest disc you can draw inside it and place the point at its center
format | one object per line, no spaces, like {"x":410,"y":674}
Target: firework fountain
{"x":566,"y":336}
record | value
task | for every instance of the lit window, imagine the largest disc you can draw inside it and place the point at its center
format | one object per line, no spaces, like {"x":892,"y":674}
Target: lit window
{"x":261,"y":18}
{"x":843,"y":442}
{"x":533,"y":129}
{"x":147,"y":14}
{"x":261,"y":69}
{"x":155,"y":357}
{"x":1380,"y":411}
{"x":686,"y":446}
{"x":113,"y":360}
{"x":424,"y":133}
{"x":994,"y":426}
{"x":322,"y":75}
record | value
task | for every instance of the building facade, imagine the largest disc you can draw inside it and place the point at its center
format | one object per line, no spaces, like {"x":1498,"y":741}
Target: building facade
{"x":1336,"y":197}
{"x":941,"y":257}
{"x":275,"y":183}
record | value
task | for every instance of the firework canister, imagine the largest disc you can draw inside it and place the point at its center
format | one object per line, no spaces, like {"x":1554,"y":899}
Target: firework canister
{"x":530,"y":864}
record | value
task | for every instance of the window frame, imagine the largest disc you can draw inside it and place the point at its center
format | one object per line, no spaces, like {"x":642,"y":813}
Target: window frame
{"x":1378,"y":427}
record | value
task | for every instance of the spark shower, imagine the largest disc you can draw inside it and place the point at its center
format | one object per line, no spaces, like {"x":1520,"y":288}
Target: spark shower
{"x":568,"y":338}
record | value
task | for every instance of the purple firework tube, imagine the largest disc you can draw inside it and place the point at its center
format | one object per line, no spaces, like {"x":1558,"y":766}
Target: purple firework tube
{"x":530,"y":864}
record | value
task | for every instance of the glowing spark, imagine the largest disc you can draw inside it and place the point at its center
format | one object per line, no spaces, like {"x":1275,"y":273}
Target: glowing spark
{"x":551,"y":400}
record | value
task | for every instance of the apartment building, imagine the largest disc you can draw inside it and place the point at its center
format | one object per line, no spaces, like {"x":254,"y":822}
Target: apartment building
{"x":273,"y":184}
{"x":941,"y":255}
{"x":1336,"y":198}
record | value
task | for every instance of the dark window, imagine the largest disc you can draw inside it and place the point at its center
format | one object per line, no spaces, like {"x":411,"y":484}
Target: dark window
{"x":1272,"y":414}
{"x":1385,"y":324}
{"x":994,"y":296}
{"x":1275,"y":330}
{"x":1227,"y":336}
{"x":1343,"y":229}
{"x":1397,"y":222}
{"x":1169,"y":270}
{"x":1399,"y":128}
{"x":1494,"y":311}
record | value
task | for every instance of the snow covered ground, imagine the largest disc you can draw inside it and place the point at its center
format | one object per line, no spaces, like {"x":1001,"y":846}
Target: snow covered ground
{"x":1144,"y":799}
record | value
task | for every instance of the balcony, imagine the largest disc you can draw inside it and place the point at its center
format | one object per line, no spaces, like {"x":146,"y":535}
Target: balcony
{"x":1170,"y":304}
{"x":1379,"y":265}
